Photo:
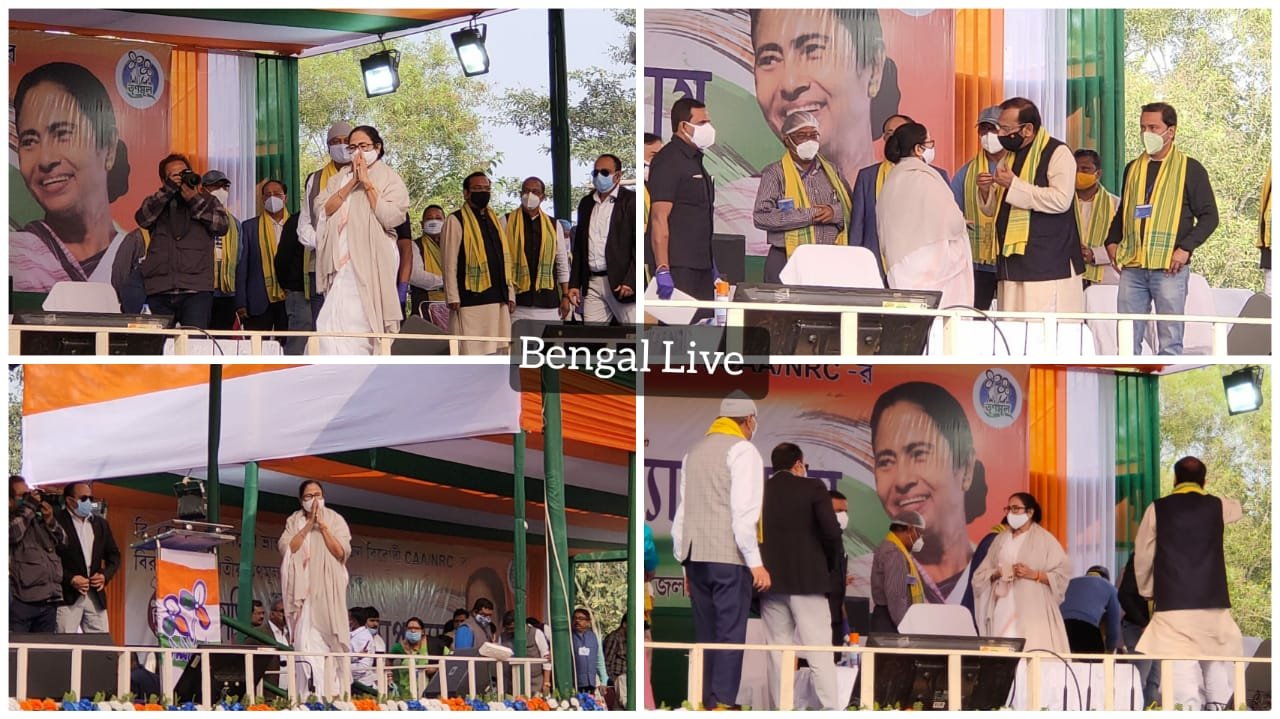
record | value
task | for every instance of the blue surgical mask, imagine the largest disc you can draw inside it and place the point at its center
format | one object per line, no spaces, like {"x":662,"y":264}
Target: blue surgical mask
{"x":413,"y":637}
{"x":84,"y":508}
{"x":603,"y":183}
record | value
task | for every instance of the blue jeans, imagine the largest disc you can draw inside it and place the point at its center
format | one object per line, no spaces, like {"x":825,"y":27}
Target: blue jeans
{"x":721,"y":598}
{"x":1139,"y":289}
{"x":193,"y":309}
{"x":1148,"y":672}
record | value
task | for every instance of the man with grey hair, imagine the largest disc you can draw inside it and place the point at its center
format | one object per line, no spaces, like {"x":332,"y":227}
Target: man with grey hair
{"x":896,"y":581}
{"x":802,"y":198}
{"x":721,"y":489}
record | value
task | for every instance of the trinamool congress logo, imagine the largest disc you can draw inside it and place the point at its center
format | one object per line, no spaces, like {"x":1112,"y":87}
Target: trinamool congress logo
{"x":139,"y":79}
{"x":997,"y":398}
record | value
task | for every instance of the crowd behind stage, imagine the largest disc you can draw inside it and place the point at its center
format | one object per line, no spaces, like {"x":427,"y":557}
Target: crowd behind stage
{"x":62,"y":556}
{"x":776,"y":545}
{"x":1026,"y":220}
{"x":351,"y":261}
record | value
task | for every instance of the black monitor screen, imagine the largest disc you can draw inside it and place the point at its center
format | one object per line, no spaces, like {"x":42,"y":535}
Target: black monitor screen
{"x":905,"y":680}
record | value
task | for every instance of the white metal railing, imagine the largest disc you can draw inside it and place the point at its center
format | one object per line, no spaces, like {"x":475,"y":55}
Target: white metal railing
{"x":952,"y":320}
{"x":183,"y":335}
{"x":383,"y":664}
{"x":866,"y":669}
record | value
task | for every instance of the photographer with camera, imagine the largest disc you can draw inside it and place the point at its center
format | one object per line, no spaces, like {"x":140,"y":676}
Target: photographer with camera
{"x":90,"y":558}
{"x":35,"y":569}
{"x":177,"y":226}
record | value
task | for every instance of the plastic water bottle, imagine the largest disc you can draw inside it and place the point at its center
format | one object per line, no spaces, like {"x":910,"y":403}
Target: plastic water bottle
{"x":722,"y":295}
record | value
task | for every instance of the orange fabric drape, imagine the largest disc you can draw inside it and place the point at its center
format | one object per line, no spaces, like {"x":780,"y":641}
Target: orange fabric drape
{"x":979,"y":74}
{"x":189,"y":107}
{"x":593,"y":410}
{"x":1047,"y":440}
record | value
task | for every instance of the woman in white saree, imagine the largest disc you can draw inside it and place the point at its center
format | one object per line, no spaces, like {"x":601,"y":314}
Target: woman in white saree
{"x":315,"y":545}
{"x":357,"y":260}
{"x":923,"y":238}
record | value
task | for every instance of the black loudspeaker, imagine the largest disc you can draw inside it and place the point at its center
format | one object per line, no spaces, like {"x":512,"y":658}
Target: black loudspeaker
{"x":226,"y":674}
{"x":49,"y":670}
{"x":74,"y":343}
{"x":1251,"y":339}
{"x":730,"y":255}
{"x":456,"y":675}
{"x":417,"y":326}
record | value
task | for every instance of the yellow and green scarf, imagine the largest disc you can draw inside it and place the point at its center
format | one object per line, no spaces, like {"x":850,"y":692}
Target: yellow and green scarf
{"x":267,"y":244}
{"x":329,"y":170}
{"x":648,"y":202}
{"x":917,"y":587}
{"x":881,"y":174}
{"x":1264,"y":213}
{"x":546,"y":254}
{"x":1154,"y":250}
{"x":432,"y":262}
{"x":982,"y":235}
{"x":224,"y":274}
{"x":793,"y":187}
{"x":1188,"y":488}
{"x":1095,"y":235}
{"x":476,"y":273}
{"x":1018,"y":229}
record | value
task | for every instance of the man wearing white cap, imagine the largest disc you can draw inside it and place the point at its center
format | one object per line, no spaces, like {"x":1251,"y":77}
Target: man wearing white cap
{"x":896,"y":582}
{"x":302,"y":317}
{"x":721,"y":491}
{"x":802,"y":198}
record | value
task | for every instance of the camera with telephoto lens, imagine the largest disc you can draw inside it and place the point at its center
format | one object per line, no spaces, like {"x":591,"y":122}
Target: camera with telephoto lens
{"x":189,"y":178}
{"x":34,"y":500}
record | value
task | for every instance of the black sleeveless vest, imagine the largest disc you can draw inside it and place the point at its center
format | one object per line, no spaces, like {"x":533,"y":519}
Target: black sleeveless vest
{"x":1190,"y":572}
{"x":1053,"y":244}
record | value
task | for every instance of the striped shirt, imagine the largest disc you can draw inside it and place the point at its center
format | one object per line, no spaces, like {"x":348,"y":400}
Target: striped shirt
{"x":777,"y":222}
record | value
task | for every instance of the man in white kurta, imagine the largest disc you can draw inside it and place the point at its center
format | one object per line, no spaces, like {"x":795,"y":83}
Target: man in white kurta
{"x":315,"y":545}
{"x":1181,"y":566}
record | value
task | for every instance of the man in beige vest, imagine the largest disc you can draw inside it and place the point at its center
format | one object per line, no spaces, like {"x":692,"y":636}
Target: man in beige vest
{"x":721,"y":491}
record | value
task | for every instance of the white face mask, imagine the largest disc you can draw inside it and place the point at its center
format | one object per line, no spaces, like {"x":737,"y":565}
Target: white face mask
{"x":340,"y":154}
{"x":370,"y":157}
{"x":842,"y":519}
{"x":433,"y":227}
{"x":928,"y":156}
{"x":807,"y":150}
{"x":917,"y":545}
{"x":1017,"y":520}
{"x":991,"y":143}
{"x":532,"y":201}
{"x":309,"y":505}
{"x":223,"y":195}
{"x":703,"y":136}
{"x":1152,"y":142}
{"x":273,"y":204}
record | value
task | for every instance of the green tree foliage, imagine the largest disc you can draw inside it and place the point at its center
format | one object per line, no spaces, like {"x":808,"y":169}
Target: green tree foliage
{"x":602,"y":588}
{"x":1214,"y":66}
{"x":430,"y":126}
{"x":602,"y":109}
{"x":1237,"y":452}
{"x":15,"y":419}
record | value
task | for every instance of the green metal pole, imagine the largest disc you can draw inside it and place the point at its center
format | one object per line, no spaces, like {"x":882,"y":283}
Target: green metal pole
{"x":248,"y":538}
{"x":561,"y":610}
{"x":215,"y":436}
{"x":561,"y":184}
{"x":634,"y":623}
{"x":521,"y":559}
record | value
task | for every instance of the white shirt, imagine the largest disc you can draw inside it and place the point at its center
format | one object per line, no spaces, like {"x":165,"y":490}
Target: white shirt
{"x":418,"y":276}
{"x":278,"y":227}
{"x":746,"y":496}
{"x":364,"y":640}
{"x":1054,"y":199}
{"x":598,"y":230}
{"x":84,"y":530}
{"x":307,"y":233}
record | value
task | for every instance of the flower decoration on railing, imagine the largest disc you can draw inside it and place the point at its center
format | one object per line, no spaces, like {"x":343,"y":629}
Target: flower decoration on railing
{"x":580,"y":702}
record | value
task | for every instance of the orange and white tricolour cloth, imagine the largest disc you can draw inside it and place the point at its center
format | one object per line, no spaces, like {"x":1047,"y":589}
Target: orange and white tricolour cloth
{"x":87,"y":422}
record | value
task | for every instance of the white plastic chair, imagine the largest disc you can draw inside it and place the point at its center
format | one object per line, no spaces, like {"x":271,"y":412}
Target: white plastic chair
{"x":832,"y":266}
{"x":82,"y":297}
{"x":946,"y":619}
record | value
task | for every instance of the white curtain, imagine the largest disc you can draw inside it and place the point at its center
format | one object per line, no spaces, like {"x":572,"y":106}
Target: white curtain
{"x":233,"y":105}
{"x":1035,"y":63}
{"x":1091,"y":470}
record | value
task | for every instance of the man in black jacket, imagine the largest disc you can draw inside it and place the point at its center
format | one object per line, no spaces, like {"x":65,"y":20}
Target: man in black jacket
{"x":90,"y":559}
{"x":800,"y":547}
{"x":35,"y":571}
{"x":291,"y":274}
{"x":603,"y":276}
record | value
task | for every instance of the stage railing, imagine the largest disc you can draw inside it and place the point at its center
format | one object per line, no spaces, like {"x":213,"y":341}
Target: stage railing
{"x":952,"y":320}
{"x":383,"y":663}
{"x":182,"y":337}
{"x":866,"y":669}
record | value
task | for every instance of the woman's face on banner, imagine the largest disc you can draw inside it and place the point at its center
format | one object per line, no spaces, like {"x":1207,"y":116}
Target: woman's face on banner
{"x":915,"y":469}
{"x":806,"y":60}
{"x":58,"y":152}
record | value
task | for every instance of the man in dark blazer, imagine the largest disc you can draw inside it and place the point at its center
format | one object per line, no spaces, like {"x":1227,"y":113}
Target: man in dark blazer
{"x":800,"y":546}
{"x":602,"y":280}
{"x":90,"y":559}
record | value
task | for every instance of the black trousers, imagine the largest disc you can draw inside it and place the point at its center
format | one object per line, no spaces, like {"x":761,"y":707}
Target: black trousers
{"x":984,"y":289}
{"x":1084,"y":638}
{"x":33,"y":618}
